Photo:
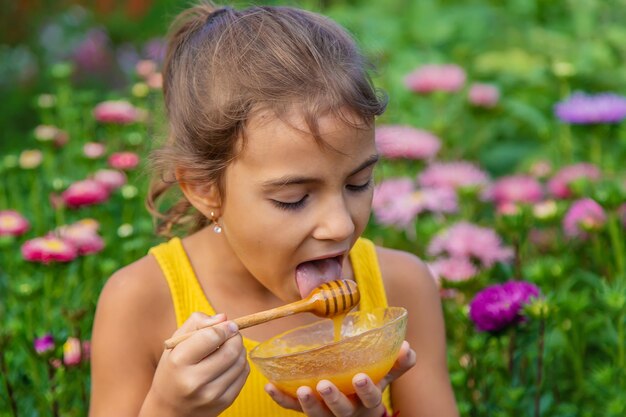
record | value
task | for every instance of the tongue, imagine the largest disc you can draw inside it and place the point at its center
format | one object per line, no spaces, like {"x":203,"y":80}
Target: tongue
{"x":314,"y":273}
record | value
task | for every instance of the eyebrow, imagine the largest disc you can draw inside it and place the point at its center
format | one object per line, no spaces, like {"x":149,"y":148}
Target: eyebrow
{"x":298,"y":179}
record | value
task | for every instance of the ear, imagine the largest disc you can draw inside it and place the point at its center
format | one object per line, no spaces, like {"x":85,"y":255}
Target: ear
{"x":205,"y":198}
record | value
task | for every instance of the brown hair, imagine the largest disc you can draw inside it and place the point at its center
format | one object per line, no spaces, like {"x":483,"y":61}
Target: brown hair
{"x":222,"y":64}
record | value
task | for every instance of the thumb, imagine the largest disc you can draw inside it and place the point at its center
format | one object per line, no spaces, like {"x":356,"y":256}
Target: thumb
{"x":405,"y":361}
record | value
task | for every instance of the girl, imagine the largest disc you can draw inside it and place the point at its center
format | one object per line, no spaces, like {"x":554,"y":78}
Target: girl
{"x":271,"y":143}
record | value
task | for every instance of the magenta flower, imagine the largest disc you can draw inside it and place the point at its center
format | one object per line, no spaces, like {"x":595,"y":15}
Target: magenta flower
{"x":467,"y":240}
{"x":396,"y":141}
{"x":116,"y":112}
{"x":48,"y":249}
{"x":581,"y":108}
{"x":515,"y":189}
{"x":430,"y":78}
{"x":124,"y":160}
{"x":85,"y":193}
{"x":559,"y":184}
{"x":499,"y":306}
{"x":111,"y":179}
{"x":583,"y":216}
{"x":83,"y":237}
{"x":455,"y":175}
{"x":12,"y":223}
{"x":94,"y":150}
{"x":44,"y":344}
{"x":483,"y":95}
{"x":93,"y":54}
{"x":453,"y":269}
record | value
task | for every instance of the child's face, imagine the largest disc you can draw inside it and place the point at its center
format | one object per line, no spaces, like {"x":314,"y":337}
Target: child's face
{"x":289,"y":201}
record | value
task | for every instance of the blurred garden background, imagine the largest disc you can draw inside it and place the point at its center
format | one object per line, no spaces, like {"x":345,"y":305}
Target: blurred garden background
{"x":504,"y":149}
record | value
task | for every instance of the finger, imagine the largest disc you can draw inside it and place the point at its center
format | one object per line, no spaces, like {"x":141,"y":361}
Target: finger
{"x":370,"y":395}
{"x":335,"y":400}
{"x":230,"y":354}
{"x":198,"y":320}
{"x":203,"y":342}
{"x":282,"y":399}
{"x":224,"y":386}
{"x":405,"y":361}
{"x":310,"y":405}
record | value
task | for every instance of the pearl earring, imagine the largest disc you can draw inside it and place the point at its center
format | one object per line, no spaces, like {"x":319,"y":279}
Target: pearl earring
{"x":216,"y":227}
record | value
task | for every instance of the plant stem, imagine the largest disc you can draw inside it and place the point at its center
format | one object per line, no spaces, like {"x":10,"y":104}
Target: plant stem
{"x":540,"y":346}
{"x":7,"y":385}
{"x":617,"y":244}
{"x":55,"y":405}
{"x":512,"y":350}
{"x":621,"y":348}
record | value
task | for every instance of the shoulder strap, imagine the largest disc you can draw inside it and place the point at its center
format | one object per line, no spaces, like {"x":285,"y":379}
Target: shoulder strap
{"x":367,"y":274}
{"x":187,"y":295}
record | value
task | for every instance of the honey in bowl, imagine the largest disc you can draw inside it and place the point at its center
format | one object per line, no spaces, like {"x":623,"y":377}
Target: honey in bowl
{"x":367,"y":342}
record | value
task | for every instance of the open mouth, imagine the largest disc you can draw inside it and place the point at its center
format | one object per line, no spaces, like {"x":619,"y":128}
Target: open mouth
{"x":311,"y":274}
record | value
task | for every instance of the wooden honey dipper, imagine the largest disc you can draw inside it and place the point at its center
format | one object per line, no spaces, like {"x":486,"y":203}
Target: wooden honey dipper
{"x":327,"y":300}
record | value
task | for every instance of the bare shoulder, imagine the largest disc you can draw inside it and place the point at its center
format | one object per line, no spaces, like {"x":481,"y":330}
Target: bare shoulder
{"x":407,"y":278}
{"x":137,"y":296}
{"x":133,"y":317}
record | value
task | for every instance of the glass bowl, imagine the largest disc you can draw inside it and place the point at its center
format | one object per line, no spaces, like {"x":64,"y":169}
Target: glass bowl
{"x":369,"y":342}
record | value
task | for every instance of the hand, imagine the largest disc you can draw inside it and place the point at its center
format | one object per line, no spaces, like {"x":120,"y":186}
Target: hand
{"x":203,"y":374}
{"x":366,"y":402}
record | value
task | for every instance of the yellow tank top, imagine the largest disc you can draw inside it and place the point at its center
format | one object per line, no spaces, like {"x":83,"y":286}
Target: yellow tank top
{"x":187,"y":296}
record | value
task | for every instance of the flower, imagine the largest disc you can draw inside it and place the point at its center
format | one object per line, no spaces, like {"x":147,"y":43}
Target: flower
{"x":583,"y":216}
{"x":12,"y":223}
{"x":499,"y":306}
{"x":397,"y":141}
{"x":453,"y":269}
{"x":621,"y":211}
{"x":545,"y":210}
{"x":467,"y":240}
{"x":433,"y":77}
{"x":123,"y":160}
{"x":82,"y":236}
{"x":46,"y":133}
{"x":72,"y":351}
{"x":455,"y":175}
{"x":145,"y":68}
{"x":559,"y":184}
{"x":582,"y":108}
{"x":48,"y":249}
{"x":515,"y":189}
{"x":44,"y":344}
{"x":540,"y":169}
{"x":116,"y":111}
{"x":111,"y":179}
{"x":85,"y":193}
{"x":155,"y":81}
{"x":483,"y":95}
{"x":30,"y":159}
{"x":93,"y":150}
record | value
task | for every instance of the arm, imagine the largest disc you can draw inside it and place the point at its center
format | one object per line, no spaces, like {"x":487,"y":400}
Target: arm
{"x":133,"y":376}
{"x":424,"y":390}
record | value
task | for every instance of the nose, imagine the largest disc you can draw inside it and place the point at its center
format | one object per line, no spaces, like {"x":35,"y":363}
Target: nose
{"x":335,"y":222}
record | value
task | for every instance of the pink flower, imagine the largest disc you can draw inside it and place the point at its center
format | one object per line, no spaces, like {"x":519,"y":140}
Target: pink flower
{"x":145,"y":68}
{"x":155,"y":81}
{"x":431,"y":78}
{"x":621,"y":211}
{"x":484,"y":95}
{"x":116,"y":111}
{"x":94,"y":150}
{"x":48,"y":249}
{"x":466,"y":240}
{"x":85,"y":193}
{"x":515,"y":189}
{"x":395,"y":141}
{"x":454,"y":269}
{"x":389,"y":189}
{"x":540,"y":169}
{"x":124,"y":160}
{"x":559,"y":185}
{"x":82,"y":236}
{"x":12,"y":223}
{"x":111,"y":179}
{"x":72,"y":351}
{"x":453,"y":175}
{"x":583,"y":216}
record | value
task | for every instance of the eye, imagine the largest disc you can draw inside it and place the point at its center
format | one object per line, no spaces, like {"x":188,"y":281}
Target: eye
{"x":290,"y":205}
{"x":360,"y":187}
